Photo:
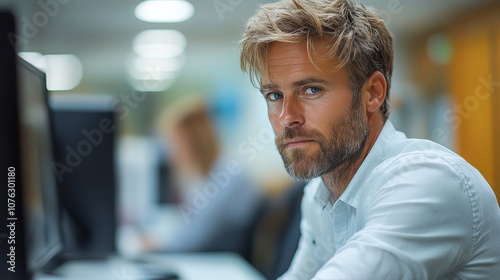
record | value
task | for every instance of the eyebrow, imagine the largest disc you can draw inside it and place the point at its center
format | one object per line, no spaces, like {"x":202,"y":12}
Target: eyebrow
{"x":308,"y":81}
{"x":268,"y":87}
{"x":303,"y":82}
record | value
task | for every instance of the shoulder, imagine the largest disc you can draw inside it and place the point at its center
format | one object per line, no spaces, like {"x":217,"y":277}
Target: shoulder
{"x":425,"y":174}
{"x":417,"y":160}
{"x":431,"y":181}
{"x":425,"y":167}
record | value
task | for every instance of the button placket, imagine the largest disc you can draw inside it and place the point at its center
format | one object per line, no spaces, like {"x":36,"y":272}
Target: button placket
{"x":339,"y":223}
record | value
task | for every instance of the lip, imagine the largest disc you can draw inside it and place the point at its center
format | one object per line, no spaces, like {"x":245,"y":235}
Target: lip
{"x":297,"y":143}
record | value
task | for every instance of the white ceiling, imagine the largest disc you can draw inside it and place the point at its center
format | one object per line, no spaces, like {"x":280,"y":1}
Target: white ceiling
{"x":100,"y":33}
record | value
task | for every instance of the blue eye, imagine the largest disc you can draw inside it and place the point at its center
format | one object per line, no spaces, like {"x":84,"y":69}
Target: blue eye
{"x":312,"y":90}
{"x":274,"y":96}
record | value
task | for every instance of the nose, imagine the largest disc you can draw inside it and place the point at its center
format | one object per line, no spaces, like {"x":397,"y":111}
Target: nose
{"x":291,"y":113}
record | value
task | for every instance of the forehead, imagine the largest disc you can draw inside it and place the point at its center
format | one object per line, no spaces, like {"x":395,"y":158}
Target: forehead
{"x":291,"y":61}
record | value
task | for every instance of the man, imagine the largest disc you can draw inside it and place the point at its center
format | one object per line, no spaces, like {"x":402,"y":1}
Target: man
{"x":381,"y":206}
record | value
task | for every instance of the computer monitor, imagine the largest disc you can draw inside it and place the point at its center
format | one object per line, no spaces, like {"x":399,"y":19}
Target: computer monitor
{"x":85,"y":132}
{"x":40,"y":192}
{"x":26,"y":141}
{"x":12,"y":257}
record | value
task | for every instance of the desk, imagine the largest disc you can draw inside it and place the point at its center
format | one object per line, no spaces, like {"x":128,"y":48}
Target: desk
{"x":199,"y":266}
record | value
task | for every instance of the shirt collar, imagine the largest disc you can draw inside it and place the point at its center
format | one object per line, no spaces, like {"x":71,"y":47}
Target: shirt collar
{"x":376,"y":155}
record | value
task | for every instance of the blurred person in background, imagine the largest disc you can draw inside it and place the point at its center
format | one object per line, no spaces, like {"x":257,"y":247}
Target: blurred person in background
{"x":380,"y":205}
{"x":217,"y":202}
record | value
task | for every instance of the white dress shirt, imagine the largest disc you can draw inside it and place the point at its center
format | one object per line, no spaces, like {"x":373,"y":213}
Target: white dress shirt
{"x":413,"y":210}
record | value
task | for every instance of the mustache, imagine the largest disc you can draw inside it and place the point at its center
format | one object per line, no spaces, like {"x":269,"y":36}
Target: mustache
{"x":298,"y":133}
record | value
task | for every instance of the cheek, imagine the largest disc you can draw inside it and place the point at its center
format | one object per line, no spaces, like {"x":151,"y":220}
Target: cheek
{"x":321,"y":116}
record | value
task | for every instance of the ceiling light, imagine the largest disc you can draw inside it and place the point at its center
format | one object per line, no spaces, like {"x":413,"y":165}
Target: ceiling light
{"x":34,"y":58}
{"x":159,"y":43}
{"x":64,"y":71}
{"x":30,"y":56}
{"x":164,"y":11}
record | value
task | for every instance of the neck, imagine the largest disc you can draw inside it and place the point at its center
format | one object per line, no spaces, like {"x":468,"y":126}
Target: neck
{"x":337,"y":180}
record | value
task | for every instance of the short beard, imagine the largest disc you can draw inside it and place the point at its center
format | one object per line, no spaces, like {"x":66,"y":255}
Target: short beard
{"x":345,"y":143}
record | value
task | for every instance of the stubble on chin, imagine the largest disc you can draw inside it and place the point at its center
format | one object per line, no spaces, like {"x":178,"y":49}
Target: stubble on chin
{"x":300,"y":164}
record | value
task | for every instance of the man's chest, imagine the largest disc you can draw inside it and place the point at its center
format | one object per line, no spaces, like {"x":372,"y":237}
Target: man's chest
{"x":333,"y":226}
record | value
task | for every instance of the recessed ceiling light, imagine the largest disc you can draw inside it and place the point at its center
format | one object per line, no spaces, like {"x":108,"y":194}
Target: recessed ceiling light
{"x":164,"y":10}
{"x":159,"y":43}
{"x":35,"y":58}
{"x":64,"y":71}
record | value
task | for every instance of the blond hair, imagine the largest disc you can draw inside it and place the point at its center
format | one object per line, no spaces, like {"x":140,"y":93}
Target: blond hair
{"x":361,"y":41}
{"x":189,"y":119}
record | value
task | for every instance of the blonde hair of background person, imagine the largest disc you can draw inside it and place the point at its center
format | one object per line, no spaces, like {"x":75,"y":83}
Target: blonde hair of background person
{"x":186,"y":125}
{"x":380,"y":205}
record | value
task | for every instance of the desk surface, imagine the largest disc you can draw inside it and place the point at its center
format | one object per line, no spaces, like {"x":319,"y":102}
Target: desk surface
{"x":200,"y":266}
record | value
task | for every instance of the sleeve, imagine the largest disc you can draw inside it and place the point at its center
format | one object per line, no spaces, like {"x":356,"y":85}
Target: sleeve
{"x":306,"y":260}
{"x":419,"y":225}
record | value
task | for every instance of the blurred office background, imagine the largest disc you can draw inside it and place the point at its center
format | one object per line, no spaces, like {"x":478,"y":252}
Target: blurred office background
{"x":446,"y":85}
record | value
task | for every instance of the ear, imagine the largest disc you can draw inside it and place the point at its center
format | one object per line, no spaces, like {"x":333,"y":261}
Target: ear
{"x":374,"y":89}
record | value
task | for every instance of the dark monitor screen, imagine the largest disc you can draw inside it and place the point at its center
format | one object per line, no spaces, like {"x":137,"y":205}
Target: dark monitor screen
{"x":84,"y":133}
{"x":40,"y":196}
